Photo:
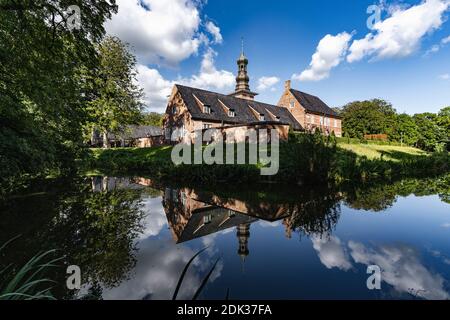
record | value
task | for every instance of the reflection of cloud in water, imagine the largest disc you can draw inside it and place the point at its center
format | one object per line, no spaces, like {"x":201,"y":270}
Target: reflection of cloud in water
{"x":331,"y":253}
{"x":155,"y":217}
{"x":402,"y":269}
{"x":160,"y":264}
{"x":267,"y":224}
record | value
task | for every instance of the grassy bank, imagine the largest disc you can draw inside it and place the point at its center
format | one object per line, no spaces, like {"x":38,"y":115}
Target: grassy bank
{"x":386,"y":152}
{"x":304,"y":159}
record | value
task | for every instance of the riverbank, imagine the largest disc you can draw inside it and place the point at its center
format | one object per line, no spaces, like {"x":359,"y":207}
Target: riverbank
{"x":305,"y":159}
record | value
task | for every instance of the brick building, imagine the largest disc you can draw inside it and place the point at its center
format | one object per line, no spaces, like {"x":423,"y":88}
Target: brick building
{"x":190,"y":110}
{"x":310,"y":111}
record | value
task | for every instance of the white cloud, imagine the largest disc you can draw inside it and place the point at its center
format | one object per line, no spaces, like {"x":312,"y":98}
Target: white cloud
{"x":447,"y":224}
{"x":331,"y":253}
{"x":157,"y":89}
{"x":433,"y":49}
{"x":159,"y":266}
{"x":444,"y":76}
{"x":329,"y":53}
{"x":402,"y":269}
{"x":445,"y":40}
{"x":160,"y":31}
{"x":214,"y":31}
{"x":265,"y":83}
{"x":209,"y":77}
{"x":155,"y":220}
{"x":400,"y":35}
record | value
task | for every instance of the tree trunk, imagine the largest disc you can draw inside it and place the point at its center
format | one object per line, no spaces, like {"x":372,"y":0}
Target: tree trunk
{"x":105,"y":140}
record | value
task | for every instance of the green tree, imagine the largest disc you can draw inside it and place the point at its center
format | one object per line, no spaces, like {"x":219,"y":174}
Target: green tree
{"x":405,"y":130}
{"x":444,"y":123}
{"x":431,"y":136}
{"x":152,"y":119}
{"x":42,"y":108}
{"x":368,"y":117}
{"x":115,"y":99}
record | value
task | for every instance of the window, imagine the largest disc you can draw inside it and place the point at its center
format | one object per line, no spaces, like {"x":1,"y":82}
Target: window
{"x":327,"y":122}
{"x":308,"y":118}
{"x":278,"y":118}
{"x":231,"y":113}
{"x":174,"y":110}
{"x":335,"y":123}
{"x":206,"y":126}
{"x":321,"y":121}
{"x":207,"y":219}
{"x":206,"y":109}
{"x":262,"y":117}
{"x":292,"y":104}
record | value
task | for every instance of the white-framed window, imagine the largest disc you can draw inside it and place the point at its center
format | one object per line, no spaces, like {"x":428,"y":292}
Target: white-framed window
{"x":206,"y":109}
{"x":335,"y":123}
{"x":321,"y":121}
{"x":206,"y":126}
{"x":231,"y":113}
{"x":207,"y":219}
{"x":262,"y":117}
{"x":327,"y":122}
{"x":292,"y":104}
{"x":308,"y":118}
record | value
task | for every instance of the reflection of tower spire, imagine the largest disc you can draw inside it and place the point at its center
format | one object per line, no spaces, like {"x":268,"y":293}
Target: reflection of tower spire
{"x":243,"y":233}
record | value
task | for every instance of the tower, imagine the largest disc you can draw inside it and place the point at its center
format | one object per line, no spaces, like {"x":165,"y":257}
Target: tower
{"x":243,"y":233}
{"x":242,"y":79}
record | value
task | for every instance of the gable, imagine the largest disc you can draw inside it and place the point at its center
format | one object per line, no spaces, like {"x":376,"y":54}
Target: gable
{"x":313,"y":104}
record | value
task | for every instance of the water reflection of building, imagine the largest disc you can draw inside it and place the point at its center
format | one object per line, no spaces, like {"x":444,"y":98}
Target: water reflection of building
{"x":192,"y":213}
{"x":100,"y":184}
{"x":189,"y":218}
{"x":243,"y":233}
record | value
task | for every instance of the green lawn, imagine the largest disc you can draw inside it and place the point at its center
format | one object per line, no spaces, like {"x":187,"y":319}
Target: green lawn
{"x":372,"y":151}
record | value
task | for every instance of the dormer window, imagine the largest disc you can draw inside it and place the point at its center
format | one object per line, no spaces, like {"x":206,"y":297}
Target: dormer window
{"x":231,"y":113}
{"x":262,"y":117}
{"x":206,"y":109}
{"x":278,"y":118}
{"x":207,"y":219}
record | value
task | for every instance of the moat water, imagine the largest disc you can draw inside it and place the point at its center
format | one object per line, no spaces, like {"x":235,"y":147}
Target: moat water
{"x":132,"y":239}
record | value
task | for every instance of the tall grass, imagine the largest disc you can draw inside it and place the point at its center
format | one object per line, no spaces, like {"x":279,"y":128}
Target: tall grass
{"x":28,"y":282}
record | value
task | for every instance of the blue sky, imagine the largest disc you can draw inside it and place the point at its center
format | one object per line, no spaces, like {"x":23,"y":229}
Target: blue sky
{"x":404,"y":59}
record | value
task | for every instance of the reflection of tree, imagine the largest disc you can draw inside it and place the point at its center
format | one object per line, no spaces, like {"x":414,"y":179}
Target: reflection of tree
{"x":383,"y":196}
{"x":99,"y":229}
{"x":94,"y":230}
{"x":315,"y":217}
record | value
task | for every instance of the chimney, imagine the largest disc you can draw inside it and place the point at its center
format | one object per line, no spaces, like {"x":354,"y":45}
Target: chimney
{"x":287,"y":85}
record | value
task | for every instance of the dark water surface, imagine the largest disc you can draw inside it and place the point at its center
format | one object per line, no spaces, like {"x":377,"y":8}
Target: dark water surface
{"x":132,"y":239}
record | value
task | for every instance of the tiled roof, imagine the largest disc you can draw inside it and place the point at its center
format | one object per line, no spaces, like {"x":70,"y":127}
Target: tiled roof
{"x":313,"y":103}
{"x":246,"y":111}
{"x":136,"y":132}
